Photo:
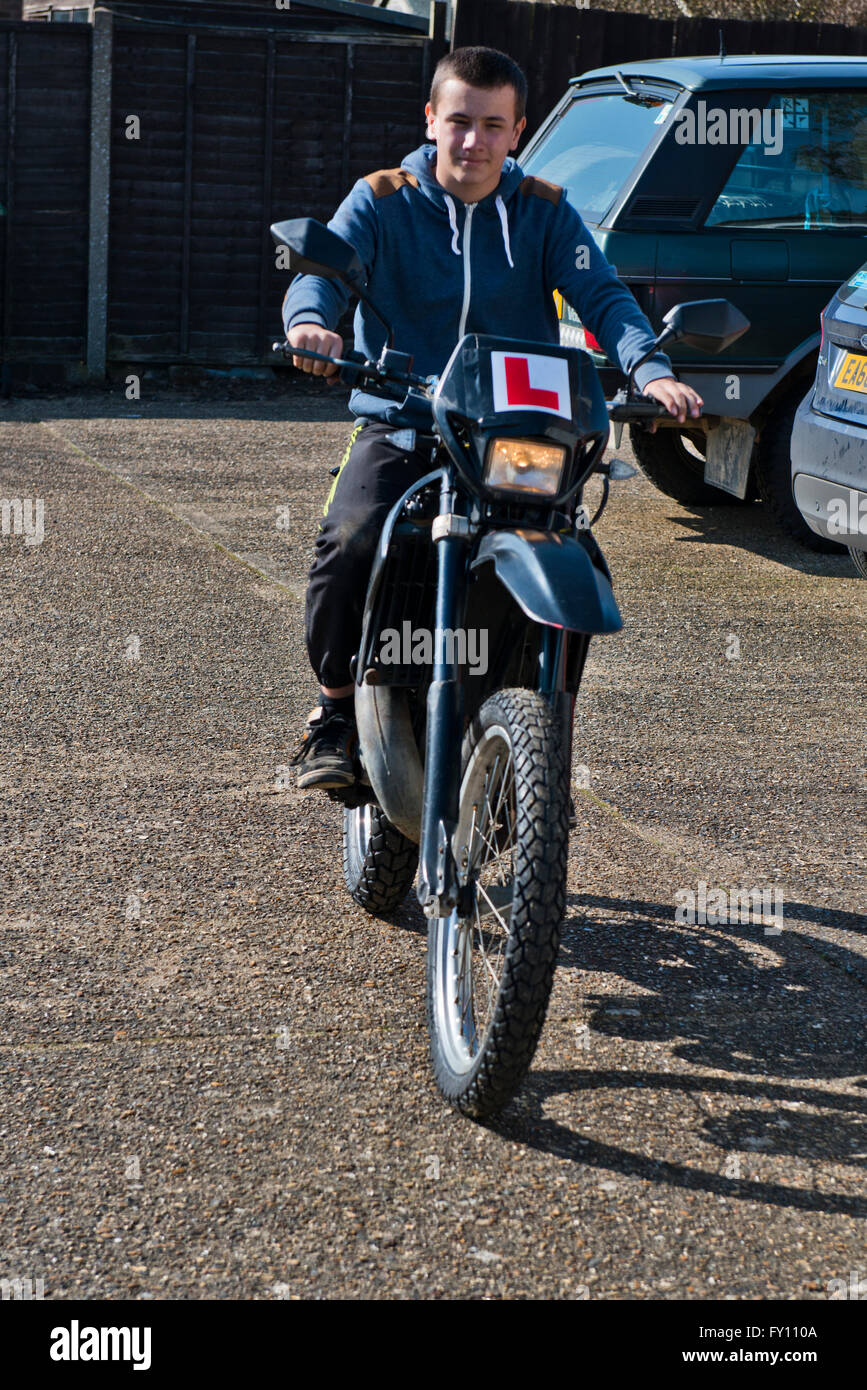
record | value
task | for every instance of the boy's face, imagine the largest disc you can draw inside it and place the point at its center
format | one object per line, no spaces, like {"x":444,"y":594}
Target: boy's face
{"x":474,"y":129}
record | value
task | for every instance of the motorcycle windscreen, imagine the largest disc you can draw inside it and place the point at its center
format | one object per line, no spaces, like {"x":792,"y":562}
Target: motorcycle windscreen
{"x":493,"y":380}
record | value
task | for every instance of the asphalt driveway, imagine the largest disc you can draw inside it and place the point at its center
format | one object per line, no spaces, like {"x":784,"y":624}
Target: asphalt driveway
{"x":215,"y":1080}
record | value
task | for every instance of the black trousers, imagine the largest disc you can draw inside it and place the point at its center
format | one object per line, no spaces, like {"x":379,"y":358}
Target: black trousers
{"x":373,"y":474}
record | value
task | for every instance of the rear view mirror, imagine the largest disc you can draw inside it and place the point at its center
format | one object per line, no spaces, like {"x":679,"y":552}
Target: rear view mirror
{"x":315,"y":250}
{"x":708,"y":324}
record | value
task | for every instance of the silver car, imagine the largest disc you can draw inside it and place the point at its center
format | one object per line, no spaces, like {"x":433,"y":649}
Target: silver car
{"x":829,"y":439}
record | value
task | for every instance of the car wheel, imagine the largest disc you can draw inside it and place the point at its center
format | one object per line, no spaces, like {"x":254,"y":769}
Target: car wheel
{"x":673,"y":460}
{"x":774,"y":477}
{"x":859,"y":560}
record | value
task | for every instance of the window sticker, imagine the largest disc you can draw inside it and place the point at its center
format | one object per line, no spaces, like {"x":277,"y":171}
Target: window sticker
{"x":796,"y":113}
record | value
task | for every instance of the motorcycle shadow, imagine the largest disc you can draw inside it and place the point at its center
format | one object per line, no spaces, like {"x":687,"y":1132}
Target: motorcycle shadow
{"x":779,"y":1013}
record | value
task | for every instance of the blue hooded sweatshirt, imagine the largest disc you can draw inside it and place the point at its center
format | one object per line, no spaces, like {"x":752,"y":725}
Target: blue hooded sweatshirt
{"x":438,"y":268}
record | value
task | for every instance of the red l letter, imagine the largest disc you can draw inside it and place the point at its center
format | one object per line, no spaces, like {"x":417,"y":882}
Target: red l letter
{"x":518,"y":388}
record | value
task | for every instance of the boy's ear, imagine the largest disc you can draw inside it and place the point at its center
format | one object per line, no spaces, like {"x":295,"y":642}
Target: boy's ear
{"x":519,"y":130}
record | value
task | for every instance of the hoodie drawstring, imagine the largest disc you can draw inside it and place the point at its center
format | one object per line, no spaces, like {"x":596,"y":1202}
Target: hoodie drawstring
{"x":453,"y":222}
{"x":504,"y":225}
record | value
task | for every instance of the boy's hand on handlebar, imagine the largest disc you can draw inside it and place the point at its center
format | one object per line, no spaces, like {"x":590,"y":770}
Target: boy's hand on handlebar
{"x":317,"y":339}
{"x":678,"y":399}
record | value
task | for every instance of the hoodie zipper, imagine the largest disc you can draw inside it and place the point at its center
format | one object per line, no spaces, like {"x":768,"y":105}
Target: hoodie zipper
{"x":470,"y":207}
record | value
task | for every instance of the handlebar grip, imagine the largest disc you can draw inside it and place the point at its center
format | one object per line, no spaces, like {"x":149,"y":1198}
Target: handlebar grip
{"x":637,"y":410}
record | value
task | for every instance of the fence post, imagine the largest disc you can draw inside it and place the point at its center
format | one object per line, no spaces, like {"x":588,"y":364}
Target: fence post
{"x":100,"y":175}
{"x":9,"y":200}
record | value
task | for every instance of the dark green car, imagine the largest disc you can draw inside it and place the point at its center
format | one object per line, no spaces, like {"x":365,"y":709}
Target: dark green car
{"x":738,"y":177}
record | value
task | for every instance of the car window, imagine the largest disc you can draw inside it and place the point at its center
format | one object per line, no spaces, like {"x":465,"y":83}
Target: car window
{"x":595,"y":146}
{"x":807,"y":168}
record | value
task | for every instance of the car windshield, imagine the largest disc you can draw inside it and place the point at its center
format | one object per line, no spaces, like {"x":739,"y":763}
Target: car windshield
{"x":594,"y":147}
{"x":805,"y":168}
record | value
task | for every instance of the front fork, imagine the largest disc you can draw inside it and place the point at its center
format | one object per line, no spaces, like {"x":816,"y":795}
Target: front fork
{"x":438,"y":887}
{"x":552,"y":685}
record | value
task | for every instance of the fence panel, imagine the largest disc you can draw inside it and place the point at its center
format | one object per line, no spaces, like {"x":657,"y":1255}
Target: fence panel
{"x":236,"y":132}
{"x":44,"y":177}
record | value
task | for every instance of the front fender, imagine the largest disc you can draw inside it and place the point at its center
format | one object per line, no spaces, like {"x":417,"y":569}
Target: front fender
{"x":552,"y":578}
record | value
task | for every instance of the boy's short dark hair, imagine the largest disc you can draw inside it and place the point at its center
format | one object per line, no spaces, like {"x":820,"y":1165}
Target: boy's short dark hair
{"x":481,"y":67}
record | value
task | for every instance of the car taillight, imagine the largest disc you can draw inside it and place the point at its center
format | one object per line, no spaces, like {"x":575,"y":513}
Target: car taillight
{"x":592,"y":343}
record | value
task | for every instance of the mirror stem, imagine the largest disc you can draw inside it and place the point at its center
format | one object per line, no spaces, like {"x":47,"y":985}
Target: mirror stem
{"x":665,"y":336}
{"x":373,"y":309}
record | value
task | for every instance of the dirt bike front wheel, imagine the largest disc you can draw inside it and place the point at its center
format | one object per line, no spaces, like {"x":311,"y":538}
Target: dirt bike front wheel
{"x":490,"y":972}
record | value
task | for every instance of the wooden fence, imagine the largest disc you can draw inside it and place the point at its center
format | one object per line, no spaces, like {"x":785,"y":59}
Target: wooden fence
{"x":141,"y":166}
{"x":44,"y":164}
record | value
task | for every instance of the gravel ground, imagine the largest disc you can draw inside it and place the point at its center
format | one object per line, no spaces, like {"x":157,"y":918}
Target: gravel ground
{"x":215,"y":1080}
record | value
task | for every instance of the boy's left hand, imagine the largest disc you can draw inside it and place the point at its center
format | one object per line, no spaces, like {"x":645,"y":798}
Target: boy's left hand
{"x":679,"y":399}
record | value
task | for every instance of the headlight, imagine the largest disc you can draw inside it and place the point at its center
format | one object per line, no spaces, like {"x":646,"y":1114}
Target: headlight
{"x":523,"y":465}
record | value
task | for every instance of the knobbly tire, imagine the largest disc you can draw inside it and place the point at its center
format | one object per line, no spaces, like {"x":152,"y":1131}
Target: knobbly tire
{"x":671,"y":466}
{"x":774,"y":477}
{"x":379,"y":862}
{"x":490,"y":972}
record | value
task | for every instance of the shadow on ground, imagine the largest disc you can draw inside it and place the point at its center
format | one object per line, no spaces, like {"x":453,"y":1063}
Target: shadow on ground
{"x":704,"y":993}
{"x":750,"y":528}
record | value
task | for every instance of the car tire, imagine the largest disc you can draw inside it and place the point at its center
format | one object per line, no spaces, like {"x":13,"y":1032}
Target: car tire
{"x":774,"y":477}
{"x":667,"y":461}
{"x":859,"y":560}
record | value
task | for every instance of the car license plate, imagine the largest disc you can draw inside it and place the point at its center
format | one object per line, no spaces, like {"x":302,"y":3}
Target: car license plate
{"x":852,"y":375}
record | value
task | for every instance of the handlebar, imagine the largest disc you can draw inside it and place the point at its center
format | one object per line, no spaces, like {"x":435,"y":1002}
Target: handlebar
{"x":357,"y":370}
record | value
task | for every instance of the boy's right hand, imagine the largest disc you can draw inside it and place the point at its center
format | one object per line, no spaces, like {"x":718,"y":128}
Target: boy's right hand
{"x":317,"y":339}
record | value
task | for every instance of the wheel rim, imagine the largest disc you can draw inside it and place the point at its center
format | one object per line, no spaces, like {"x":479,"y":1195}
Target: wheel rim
{"x":361,"y":829}
{"x":472,"y":949}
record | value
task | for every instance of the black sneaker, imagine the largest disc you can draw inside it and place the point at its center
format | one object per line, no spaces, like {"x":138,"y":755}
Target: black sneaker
{"x":327,"y":752}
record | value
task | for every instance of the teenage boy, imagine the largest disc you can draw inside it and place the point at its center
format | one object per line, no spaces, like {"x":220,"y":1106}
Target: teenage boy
{"x":457,"y":240}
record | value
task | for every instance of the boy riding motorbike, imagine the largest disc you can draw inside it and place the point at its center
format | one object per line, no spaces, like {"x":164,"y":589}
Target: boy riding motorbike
{"x":455,"y":240}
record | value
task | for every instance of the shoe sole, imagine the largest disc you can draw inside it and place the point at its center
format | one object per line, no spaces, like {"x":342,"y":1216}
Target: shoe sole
{"x":324,"y":780}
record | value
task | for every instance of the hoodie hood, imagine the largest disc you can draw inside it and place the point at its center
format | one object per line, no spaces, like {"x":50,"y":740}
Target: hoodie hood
{"x":422,"y":162}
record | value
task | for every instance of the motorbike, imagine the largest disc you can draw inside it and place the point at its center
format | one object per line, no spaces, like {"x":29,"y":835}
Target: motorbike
{"x":465,"y":764}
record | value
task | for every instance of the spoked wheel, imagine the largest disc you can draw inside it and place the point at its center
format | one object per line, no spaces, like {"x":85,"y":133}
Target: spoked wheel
{"x":379,"y":862}
{"x":490,"y":971}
